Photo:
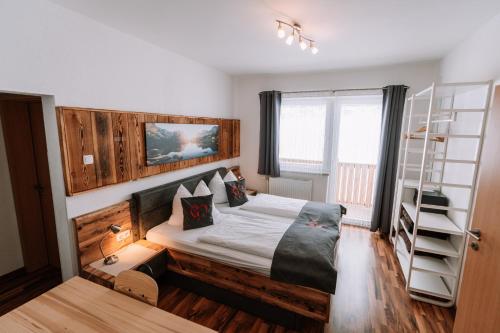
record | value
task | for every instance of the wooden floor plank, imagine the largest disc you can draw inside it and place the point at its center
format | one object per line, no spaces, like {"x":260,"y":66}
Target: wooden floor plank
{"x":370,"y":297}
{"x":21,"y":287}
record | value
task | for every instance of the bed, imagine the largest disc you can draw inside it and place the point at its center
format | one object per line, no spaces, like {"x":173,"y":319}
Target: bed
{"x":238,"y":271}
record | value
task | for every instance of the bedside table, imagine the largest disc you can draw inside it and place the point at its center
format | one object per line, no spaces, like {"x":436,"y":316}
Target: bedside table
{"x":151,"y":259}
{"x":251,"y":192}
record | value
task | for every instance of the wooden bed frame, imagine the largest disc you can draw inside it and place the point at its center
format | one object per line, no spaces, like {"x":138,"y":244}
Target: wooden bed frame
{"x":154,"y":206}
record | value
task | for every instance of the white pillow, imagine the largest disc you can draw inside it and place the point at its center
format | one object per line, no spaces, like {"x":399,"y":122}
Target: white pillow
{"x":218,"y":188}
{"x":177,"y":217}
{"x":230,"y":177}
{"x":202,"y":190}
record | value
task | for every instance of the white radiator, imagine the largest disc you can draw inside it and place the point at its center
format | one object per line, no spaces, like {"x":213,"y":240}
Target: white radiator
{"x":291,"y":188}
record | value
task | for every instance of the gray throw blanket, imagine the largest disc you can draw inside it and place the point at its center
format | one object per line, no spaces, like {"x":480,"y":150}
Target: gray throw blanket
{"x":305,"y":254}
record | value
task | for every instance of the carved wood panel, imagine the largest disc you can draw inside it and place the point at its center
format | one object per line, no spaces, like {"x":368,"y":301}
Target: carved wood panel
{"x":77,"y":142}
{"x":236,"y":138}
{"x":116,"y":142}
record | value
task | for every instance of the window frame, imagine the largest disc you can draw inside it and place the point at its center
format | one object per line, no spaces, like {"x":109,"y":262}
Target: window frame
{"x":328,"y":143}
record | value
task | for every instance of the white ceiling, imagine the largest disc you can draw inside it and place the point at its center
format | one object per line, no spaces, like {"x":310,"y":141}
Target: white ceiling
{"x":239,"y":36}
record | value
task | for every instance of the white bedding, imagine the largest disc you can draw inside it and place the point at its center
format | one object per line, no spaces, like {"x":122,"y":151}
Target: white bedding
{"x":187,"y":241}
{"x":254,"y":236}
{"x":239,"y":241}
{"x":225,"y":209}
{"x":274,"y":205}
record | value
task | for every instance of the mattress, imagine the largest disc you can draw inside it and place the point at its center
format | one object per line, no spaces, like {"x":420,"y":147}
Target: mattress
{"x":225,"y":209}
{"x":187,"y":241}
{"x":275,"y":205}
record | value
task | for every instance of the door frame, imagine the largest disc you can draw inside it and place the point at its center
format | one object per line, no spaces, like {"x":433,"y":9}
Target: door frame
{"x":36,"y":127}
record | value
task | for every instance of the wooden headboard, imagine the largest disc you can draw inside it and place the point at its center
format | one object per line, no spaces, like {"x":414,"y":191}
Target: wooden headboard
{"x":92,"y":227}
{"x":154,"y":206}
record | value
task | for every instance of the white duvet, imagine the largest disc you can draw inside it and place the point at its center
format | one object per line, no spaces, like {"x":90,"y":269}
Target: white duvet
{"x":254,"y":236}
{"x":275,"y":205}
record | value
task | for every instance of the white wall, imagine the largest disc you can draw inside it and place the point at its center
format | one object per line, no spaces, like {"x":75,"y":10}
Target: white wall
{"x":11,"y":255}
{"x":246,"y":102}
{"x":477,"y":57}
{"x":51,"y":51}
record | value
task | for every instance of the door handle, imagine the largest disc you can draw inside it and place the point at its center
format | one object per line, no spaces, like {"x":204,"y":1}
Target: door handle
{"x":474,"y":233}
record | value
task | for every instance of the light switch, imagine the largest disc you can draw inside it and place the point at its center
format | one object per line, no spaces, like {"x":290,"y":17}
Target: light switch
{"x":88,"y":159}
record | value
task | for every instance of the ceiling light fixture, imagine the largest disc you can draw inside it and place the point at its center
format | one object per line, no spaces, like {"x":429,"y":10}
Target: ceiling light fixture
{"x":314,"y":49}
{"x":290,"y":38}
{"x":302,"y":43}
{"x":281,"y":31}
{"x":296,"y":32}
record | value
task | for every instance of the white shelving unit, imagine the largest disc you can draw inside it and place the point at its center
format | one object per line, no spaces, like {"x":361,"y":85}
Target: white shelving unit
{"x":440,"y":150}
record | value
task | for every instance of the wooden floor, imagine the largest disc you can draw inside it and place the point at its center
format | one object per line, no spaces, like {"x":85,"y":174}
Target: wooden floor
{"x":370,"y":297}
{"x":19,"y":287}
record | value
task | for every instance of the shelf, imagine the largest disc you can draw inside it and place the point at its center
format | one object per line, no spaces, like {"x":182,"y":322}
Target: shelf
{"x":432,"y":221}
{"x":402,"y":256}
{"x":435,"y":245}
{"x":464,"y":186}
{"x":431,"y":277}
{"x":408,"y":233}
{"x":429,"y":284}
{"x":421,"y":151}
{"x":413,"y":183}
{"x":432,"y":265}
{"x":436,"y":138}
{"x":422,"y":263}
{"x":440,"y":137}
{"x":448,"y":160}
{"x":440,"y":111}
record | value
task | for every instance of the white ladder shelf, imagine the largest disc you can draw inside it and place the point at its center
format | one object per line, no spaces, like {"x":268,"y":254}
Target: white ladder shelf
{"x":431,"y":252}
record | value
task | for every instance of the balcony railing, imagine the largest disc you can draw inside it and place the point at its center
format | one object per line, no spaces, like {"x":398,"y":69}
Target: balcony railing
{"x":355,"y":184}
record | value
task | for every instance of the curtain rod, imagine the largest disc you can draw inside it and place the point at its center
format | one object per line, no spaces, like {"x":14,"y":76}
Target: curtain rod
{"x":328,"y":90}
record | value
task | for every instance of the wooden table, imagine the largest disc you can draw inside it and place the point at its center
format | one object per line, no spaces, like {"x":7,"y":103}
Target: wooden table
{"x":78,"y":305}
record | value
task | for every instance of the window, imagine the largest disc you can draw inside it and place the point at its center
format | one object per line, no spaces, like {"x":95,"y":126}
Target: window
{"x":318,"y":131}
{"x":304,"y":134}
{"x":359,"y":130}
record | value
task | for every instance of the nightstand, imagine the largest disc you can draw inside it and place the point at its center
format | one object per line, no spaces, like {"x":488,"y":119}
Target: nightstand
{"x":150,"y":259}
{"x":251,"y":192}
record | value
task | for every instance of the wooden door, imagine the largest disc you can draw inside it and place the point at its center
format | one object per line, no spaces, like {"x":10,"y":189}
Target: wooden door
{"x":478,"y":308}
{"x":27,"y":157}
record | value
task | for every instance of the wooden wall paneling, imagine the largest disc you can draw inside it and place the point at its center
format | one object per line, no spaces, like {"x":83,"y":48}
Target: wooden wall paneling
{"x":236,"y":138}
{"x":77,"y":134}
{"x":121,"y":146}
{"x":136,"y":145}
{"x":91,"y":228}
{"x":104,"y":157}
{"x":155,"y":169}
{"x":226,"y":137}
{"x":117,"y":142}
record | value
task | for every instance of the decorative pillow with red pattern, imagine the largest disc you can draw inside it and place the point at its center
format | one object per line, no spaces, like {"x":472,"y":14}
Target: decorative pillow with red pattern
{"x":236,"y":193}
{"x":197,"y":212}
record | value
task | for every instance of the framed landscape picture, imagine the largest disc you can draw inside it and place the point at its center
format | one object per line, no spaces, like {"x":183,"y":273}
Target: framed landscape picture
{"x":167,"y":142}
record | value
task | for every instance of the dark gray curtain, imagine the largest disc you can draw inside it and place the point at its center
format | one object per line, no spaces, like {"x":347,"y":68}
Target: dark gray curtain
{"x":392,"y":117}
{"x":270,"y":104}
